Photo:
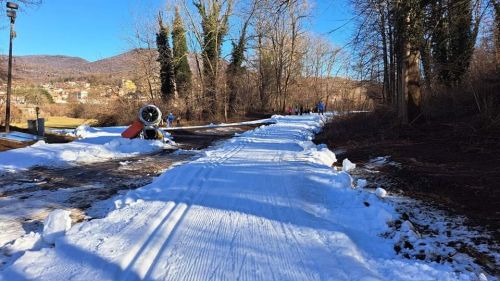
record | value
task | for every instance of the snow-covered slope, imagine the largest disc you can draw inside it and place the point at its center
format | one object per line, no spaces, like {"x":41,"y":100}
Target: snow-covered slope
{"x":95,"y":144}
{"x":266,"y":205}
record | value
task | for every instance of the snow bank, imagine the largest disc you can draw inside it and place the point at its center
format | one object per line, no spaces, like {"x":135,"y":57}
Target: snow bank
{"x":55,"y":225}
{"x":264,"y":205}
{"x":96,"y":144}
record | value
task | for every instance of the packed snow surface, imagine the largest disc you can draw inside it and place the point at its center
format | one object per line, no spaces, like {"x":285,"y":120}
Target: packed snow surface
{"x":266,"y":205}
{"x":93,"y":145}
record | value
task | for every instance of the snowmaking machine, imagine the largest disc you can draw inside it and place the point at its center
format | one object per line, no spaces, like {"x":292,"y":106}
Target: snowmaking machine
{"x":147,"y":127}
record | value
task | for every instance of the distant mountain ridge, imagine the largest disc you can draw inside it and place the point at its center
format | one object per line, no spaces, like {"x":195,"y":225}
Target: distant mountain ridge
{"x":44,"y":68}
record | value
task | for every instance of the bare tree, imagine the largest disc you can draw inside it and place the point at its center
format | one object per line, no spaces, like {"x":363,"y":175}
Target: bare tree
{"x":279,"y":30}
{"x":145,"y":58}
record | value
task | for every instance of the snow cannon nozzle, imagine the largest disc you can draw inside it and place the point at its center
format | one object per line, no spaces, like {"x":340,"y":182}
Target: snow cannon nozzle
{"x":150,"y":115}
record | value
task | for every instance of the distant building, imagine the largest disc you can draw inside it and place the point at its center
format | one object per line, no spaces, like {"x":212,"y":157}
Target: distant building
{"x":82,"y":96}
{"x":127,"y":87}
{"x":18,"y":100}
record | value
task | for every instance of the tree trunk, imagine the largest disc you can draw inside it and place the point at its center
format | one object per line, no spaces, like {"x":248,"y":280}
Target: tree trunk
{"x":496,"y":6}
{"x":413,"y":91}
{"x":392,"y":68}
{"x":386,"y":93}
{"x":426,"y":65}
{"x":401,"y":91}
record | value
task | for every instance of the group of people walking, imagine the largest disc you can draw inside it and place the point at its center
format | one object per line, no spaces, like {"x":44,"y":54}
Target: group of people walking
{"x":299,"y":109}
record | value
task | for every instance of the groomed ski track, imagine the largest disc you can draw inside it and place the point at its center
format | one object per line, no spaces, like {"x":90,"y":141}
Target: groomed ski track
{"x":265,"y":205}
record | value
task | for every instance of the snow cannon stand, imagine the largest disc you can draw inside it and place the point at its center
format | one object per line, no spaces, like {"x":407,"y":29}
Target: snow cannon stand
{"x":147,"y":127}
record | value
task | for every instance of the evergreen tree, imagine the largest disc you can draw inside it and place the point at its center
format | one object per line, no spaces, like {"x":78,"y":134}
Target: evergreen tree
{"x":165,"y":59}
{"x":182,"y":70}
{"x":235,"y":69}
{"x":453,"y":34}
{"x":439,"y":40}
{"x":462,"y":38}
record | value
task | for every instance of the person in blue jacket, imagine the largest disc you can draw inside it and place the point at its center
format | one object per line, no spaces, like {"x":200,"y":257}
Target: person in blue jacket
{"x":321,"y":108}
{"x":170,"y":119}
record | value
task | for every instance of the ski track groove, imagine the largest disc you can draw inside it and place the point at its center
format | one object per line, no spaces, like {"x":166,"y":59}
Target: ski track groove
{"x":129,"y":261}
{"x":226,"y":228}
{"x":157,"y":241}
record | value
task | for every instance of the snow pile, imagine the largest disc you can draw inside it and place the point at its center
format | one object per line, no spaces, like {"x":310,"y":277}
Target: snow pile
{"x":380,"y":192}
{"x":264,"y":205}
{"x":30,"y":241}
{"x":55,"y":225}
{"x":348,"y":165}
{"x":361,"y":183}
{"x":84,"y":131}
{"x":96,"y":144}
{"x":381,"y":161}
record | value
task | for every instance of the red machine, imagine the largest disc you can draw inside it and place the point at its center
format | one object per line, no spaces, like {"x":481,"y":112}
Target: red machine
{"x":133,"y":130}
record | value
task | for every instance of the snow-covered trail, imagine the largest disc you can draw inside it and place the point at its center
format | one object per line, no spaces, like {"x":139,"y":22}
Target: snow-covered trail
{"x":263,"y":206}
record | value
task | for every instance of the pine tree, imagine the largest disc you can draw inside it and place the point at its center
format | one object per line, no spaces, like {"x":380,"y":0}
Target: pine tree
{"x":182,"y":70}
{"x":165,"y":59}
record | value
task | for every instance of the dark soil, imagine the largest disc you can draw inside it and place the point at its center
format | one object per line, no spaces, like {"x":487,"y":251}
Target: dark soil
{"x":450,"y":164}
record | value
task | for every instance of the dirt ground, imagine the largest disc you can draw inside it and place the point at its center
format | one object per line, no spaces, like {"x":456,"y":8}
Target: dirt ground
{"x":450,"y":165}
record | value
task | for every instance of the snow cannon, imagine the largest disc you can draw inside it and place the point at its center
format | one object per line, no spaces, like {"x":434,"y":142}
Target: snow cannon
{"x":147,"y":125}
{"x":150,"y":115}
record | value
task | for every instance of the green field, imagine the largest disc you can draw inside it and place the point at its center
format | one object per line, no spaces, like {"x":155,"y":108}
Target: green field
{"x":60,"y":122}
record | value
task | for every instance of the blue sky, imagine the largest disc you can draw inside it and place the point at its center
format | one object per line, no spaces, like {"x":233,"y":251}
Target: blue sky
{"x":96,"y":29}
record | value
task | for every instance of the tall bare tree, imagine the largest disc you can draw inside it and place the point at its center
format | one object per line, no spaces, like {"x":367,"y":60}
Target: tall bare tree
{"x":214,"y":25}
{"x":279,"y":30}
